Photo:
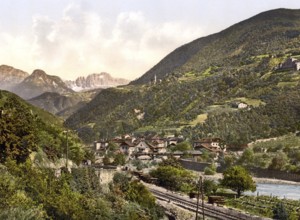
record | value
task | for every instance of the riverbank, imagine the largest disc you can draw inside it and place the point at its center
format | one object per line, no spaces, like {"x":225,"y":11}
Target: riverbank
{"x":275,"y":181}
{"x":218,"y":176}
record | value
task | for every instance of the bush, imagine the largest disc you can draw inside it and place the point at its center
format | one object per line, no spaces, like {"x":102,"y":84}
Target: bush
{"x":279,"y":212}
{"x":209,"y":171}
{"x":173,"y":178}
{"x":210,"y":187}
{"x":23,"y":214}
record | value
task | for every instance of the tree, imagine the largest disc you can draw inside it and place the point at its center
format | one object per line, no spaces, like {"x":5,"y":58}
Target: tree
{"x":210,"y":187}
{"x":119,"y":159}
{"x":279,"y":212}
{"x":17,"y":139}
{"x":247,"y":157}
{"x":279,"y":161}
{"x":229,"y":160}
{"x":183,"y":146}
{"x":121,"y":180}
{"x":171,"y":161}
{"x":174,"y":178}
{"x":238,"y":179}
{"x":138,"y":193}
{"x":106,"y":160}
{"x":210,"y":170}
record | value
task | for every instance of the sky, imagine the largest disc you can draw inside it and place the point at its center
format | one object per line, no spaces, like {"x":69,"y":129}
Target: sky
{"x":125,"y":38}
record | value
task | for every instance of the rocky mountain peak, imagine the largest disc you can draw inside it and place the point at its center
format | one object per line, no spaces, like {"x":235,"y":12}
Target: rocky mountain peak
{"x":96,"y":80}
{"x":9,"y":76}
{"x":38,"y":73}
{"x":39,"y":82}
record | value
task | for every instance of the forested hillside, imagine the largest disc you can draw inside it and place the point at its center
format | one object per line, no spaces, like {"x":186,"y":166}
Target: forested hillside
{"x":25,"y":129}
{"x":198,"y":97}
{"x":31,"y":141}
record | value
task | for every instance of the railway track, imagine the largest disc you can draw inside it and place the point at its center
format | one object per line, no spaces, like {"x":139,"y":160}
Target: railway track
{"x":211,"y":211}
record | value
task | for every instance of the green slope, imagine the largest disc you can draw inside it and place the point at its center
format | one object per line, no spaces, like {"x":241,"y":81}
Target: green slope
{"x":237,"y":64}
{"x":25,"y":128}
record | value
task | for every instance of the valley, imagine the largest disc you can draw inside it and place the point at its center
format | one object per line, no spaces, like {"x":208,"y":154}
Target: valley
{"x":226,"y":103}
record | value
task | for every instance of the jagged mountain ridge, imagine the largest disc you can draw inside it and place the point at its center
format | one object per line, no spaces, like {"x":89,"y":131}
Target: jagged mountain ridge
{"x":235,"y":64}
{"x":50,"y":92}
{"x":94,"y":81}
{"x":10,"y":77}
{"x":39,"y":82}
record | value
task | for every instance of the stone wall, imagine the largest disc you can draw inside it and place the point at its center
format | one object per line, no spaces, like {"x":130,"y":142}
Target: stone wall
{"x":193,"y":165}
{"x":274,"y":174}
{"x":105,"y":175}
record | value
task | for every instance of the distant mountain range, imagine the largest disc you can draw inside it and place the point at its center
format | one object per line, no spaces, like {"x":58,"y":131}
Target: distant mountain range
{"x":29,"y":86}
{"x":39,"y":82}
{"x":95,"y":81}
{"x":51,"y":92}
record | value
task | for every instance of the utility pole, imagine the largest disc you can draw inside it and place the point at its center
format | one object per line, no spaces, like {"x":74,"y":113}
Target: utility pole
{"x":198,"y":195}
{"x":200,"y":189}
{"x":202,"y":196}
{"x":67,"y":149}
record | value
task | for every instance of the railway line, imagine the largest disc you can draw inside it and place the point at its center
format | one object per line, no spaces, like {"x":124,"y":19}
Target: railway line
{"x":211,"y":211}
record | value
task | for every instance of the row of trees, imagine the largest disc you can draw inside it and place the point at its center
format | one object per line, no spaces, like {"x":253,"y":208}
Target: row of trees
{"x":282,"y":153}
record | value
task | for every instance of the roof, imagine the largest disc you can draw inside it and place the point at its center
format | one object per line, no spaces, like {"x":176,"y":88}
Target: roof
{"x":144,"y":157}
{"x":126,"y":142}
{"x":208,"y":140}
{"x":208,"y":147}
{"x":194,"y":152}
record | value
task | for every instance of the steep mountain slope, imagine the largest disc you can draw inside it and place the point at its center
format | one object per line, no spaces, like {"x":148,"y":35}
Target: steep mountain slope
{"x":10,"y":77}
{"x":26,"y":129}
{"x":200,"y":83}
{"x":94,"y":81}
{"x":39,"y":82}
{"x":63,"y":105}
{"x":267,"y":32}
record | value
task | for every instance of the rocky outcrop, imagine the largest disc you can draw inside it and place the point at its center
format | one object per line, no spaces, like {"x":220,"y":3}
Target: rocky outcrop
{"x":39,"y":82}
{"x":94,"y":81}
{"x":10,"y":77}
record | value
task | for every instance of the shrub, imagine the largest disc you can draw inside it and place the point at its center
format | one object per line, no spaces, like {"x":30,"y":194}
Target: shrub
{"x":209,"y":171}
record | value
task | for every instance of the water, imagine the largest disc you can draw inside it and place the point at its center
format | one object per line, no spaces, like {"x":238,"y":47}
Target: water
{"x":279,"y":190}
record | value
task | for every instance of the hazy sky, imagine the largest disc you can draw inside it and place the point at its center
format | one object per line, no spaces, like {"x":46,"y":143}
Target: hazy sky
{"x":125,"y":38}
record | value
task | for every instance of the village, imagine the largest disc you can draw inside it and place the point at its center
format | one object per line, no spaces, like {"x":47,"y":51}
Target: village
{"x":156,"y":148}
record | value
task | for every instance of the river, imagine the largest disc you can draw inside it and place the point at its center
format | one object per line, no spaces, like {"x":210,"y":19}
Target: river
{"x":279,"y":190}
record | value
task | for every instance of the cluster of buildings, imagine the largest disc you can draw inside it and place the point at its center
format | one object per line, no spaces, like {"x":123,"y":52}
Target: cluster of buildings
{"x":157,"y":147}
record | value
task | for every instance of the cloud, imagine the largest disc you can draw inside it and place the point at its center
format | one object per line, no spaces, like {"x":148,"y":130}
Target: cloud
{"x":81,"y":42}
{"x":14,"y":48}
